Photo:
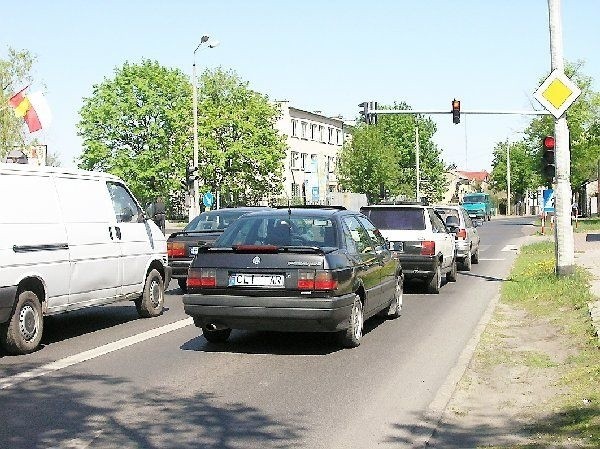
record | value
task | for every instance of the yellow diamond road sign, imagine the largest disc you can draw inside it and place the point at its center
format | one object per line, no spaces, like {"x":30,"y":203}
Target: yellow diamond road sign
{"x":557,"y":93}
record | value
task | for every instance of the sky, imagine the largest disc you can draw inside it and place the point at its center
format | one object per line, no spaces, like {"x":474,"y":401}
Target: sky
{"x":320,"y":55}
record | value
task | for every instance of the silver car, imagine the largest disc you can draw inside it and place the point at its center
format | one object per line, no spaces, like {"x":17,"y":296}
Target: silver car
{"x":457,"y":220}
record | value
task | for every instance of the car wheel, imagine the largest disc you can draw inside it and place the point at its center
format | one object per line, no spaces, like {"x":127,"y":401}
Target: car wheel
{"x":466,"y":263}
{"x":153,"y":297}
{"x":217,"y":335}
{"x":435,"y":283}
{"x":475,"y":256}
{"x":23,"y":332}
{"x":182,"y":284}
{"x":351,"y":337}
{"x":451,"y":275}
{"x":396,"y":305}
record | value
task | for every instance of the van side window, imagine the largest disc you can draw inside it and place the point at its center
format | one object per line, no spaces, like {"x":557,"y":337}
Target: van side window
{"x":126,"y":209}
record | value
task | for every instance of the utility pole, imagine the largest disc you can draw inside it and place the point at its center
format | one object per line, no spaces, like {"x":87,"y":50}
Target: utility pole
{"x":508,"y":204}
{"x":563,"y":232}
{"x":418,"y":159}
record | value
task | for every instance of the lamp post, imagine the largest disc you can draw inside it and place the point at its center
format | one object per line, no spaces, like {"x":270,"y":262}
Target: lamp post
{"x":195,"y":200}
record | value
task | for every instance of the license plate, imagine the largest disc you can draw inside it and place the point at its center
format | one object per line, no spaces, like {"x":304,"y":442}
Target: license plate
{"x":472,"y":216}
{"x":193,"y":250}
{"x":397,"y":246}
{"x":257,"y":280}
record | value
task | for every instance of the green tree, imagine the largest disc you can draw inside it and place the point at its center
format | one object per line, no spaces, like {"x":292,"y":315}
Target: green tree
{"x":524,"y":174}
{"x":241,"y":153}
{"x":383,"y":157}
{"x":137,"y":125}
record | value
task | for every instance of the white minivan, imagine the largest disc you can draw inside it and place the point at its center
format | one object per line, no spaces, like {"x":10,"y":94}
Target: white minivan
{"x":71,"y":239}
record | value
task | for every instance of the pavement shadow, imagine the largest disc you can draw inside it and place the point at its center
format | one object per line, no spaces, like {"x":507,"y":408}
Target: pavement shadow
{"x":493,"y":429}
{"x":101,"y":411}
{"x":482,"y":276}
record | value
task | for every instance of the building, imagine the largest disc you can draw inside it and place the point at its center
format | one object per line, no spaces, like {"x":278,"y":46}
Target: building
{"x":314,"y":142}
{"x":462,"y":182}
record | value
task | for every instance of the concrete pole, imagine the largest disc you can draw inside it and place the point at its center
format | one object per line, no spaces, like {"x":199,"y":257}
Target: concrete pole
{"x":508,"y":196}
{"x":418,"y":159}
{"x":194,"y":203}
{"x":563,"y":232}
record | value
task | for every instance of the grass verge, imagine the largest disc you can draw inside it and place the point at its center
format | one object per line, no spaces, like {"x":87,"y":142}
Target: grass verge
{"x":572,"y":418}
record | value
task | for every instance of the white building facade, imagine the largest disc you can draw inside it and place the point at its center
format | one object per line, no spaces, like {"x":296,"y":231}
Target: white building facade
{"x":314,"y":142}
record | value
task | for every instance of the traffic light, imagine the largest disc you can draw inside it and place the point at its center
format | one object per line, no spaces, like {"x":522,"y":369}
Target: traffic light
{"x":191,"y":174}
{"x":548,"y":160}
{"x":366,"y":116}
{"x":364,"y":112}
{"x":456,"y":111}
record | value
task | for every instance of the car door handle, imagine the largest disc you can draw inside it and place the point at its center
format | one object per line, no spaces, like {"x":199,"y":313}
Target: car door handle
{"x":118,"y":232}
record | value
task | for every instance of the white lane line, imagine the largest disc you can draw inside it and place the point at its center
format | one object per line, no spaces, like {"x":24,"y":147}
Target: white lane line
{"x":93,"y":353}
{"x":510,"y":248}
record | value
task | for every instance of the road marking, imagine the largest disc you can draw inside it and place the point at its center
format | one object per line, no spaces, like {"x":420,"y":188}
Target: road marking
{"x":510,"y":248}
{"x":93,"y":353}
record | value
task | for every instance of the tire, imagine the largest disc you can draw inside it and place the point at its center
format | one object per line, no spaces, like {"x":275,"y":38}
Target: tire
{"x":489,"y":218}
{"x":466,"y":263}
{"x":395,"y":307}
{"x":23,"y":331}
{"x":153,"y":297}
{"x":216,"y":336}
{"x":435,"y":283}
{"x":451,"y":275}
{"x":182,"y":284}
{"x":475,"y":256}
{"x":351,"y":337}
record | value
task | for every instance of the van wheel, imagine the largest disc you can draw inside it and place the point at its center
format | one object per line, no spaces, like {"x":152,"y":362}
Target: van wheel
{"x":23,"y":332}
{"x":475,"y":256}
{"x":395,"y":307}
{"x":153,"y":298}
{"x":466,"y":264}
{"x":351,"y":337}
{"x":182,"y":284}
{"x":451,"y":275}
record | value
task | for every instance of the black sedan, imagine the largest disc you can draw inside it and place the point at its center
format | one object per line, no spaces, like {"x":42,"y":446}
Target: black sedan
{"x":294,"y":269}
{"x":202,"y":231}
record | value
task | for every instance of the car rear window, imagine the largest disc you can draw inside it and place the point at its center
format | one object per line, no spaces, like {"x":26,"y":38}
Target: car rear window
{"x":447,"y":212}
{"x":401,"y":218}
{"x":214,"y":220}
{"x":280,"y":230}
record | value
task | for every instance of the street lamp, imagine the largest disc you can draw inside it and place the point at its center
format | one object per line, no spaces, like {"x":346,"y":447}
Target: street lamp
{"x":205,"y":41}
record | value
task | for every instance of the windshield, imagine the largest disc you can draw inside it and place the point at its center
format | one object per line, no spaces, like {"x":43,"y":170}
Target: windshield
{"x":214,"y":220}
{"x":474,"y":199}
{"x":446,"y":212}
{"x":400,"y":218}
{"x":280,"y":230}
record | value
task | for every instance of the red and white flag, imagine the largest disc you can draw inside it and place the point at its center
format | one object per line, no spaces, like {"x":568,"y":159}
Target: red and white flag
{"x":33,"y":108}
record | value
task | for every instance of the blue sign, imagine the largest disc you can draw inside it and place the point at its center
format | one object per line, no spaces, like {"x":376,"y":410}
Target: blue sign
{"x":548,"y":197}
{"x":208,"y":199}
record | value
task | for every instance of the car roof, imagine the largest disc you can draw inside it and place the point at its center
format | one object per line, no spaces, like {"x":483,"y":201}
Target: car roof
{"x":297,"y":211}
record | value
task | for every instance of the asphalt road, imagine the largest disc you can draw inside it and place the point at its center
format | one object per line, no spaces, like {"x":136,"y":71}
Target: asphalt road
{"x":105,"y":378}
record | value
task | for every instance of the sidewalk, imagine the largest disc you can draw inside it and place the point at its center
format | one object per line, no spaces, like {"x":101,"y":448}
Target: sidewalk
{"x":587,"y":255}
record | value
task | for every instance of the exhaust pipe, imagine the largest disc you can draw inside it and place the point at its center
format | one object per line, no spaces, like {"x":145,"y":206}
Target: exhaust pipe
{"x":211,"y":327}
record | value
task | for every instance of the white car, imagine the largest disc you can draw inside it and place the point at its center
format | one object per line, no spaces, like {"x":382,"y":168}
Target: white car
{"x":467,"y":237}
{"x":418,"y":236}
{"x":71,"y":239}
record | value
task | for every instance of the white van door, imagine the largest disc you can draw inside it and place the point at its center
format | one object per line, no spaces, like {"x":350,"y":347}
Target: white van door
{"x":33,"y":240}
{"x":134,"y":237}
{"x":95,"y":253}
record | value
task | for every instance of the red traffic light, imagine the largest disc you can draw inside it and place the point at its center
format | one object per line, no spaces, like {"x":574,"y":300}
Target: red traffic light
{"x":549,"y":142}
{"x":456,"y":111}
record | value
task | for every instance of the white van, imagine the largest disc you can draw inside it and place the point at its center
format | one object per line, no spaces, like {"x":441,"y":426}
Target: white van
{"x":71,"y":239}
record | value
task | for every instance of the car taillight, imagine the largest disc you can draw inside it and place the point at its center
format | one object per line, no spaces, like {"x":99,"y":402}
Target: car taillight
{"x":316,"y":280}
{"x":461,"y":234}
{"x":202,"y":278}
{"x":428,"y":248}
{"x":175,"y":249}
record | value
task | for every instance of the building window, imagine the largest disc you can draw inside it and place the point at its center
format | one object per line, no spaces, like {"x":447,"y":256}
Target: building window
{"x":314,"y":164}
{"x":330,"y":135}
{"x":294,"y":160}
{"x":313,"y":132}
{"x":330,"y":164}
{"x":321,"y":137}
{"x":294,"y":128}
{"x":303,"y":130}
{"x":304,"y":156}
{"x":338,"y":137}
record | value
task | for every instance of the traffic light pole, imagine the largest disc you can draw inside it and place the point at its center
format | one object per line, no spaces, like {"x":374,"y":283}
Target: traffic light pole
{"x":563,"y":232}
